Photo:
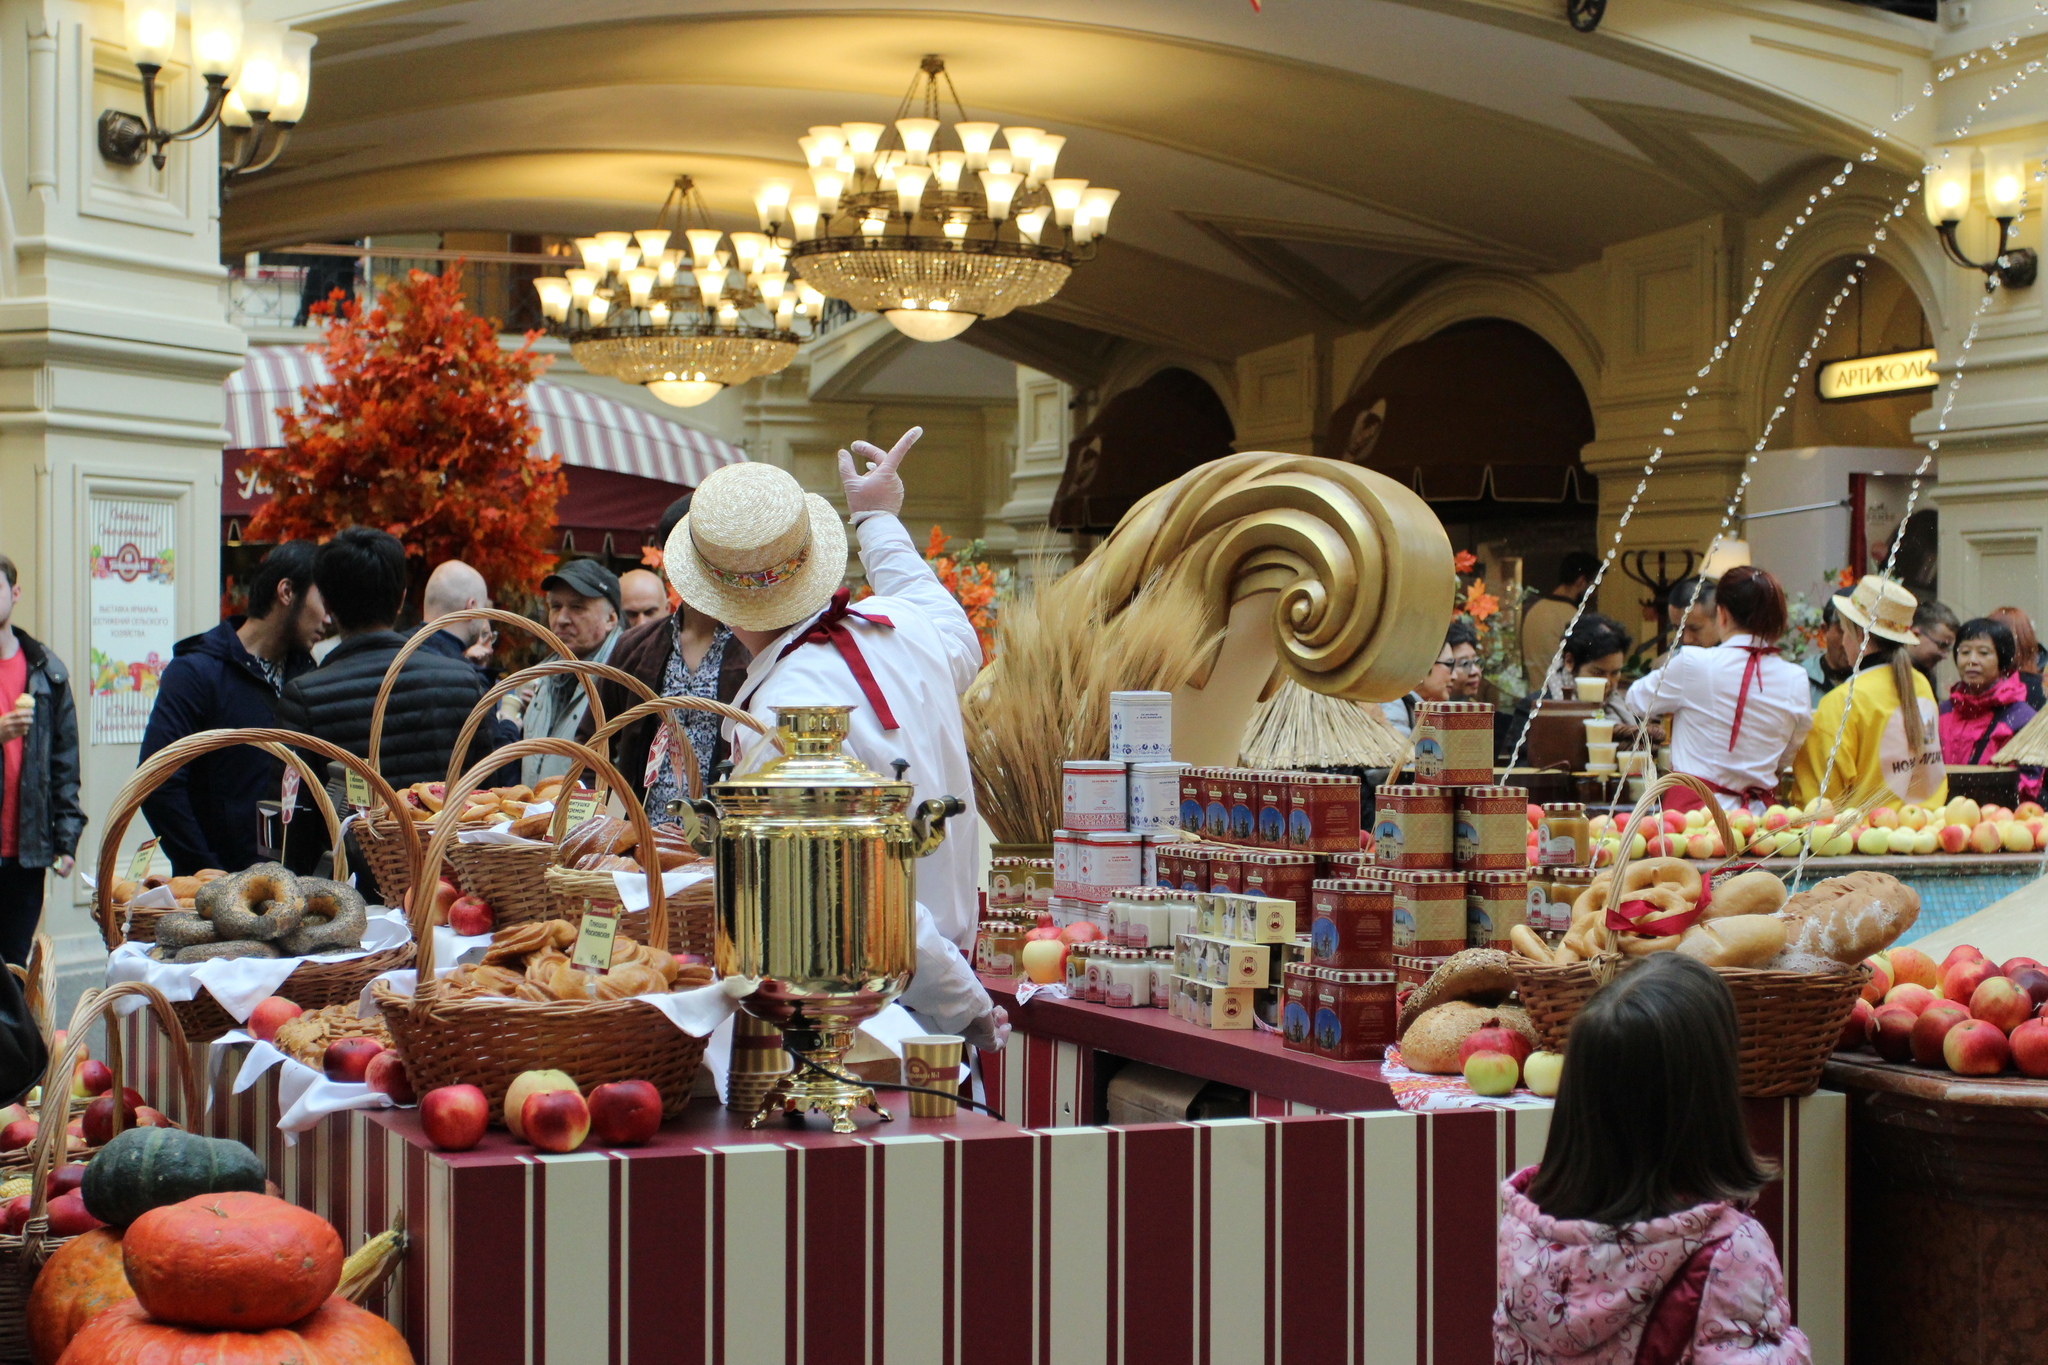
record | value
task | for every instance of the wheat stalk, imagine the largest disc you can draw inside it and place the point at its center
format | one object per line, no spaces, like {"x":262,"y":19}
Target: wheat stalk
{"x":1297,"y":728}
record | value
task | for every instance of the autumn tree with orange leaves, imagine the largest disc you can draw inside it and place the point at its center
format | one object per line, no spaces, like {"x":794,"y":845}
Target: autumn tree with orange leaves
{"x":422,"y":430}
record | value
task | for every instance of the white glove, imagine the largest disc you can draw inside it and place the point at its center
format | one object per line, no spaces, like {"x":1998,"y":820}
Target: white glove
{"x":879,"y":489}
{"x":989,"y":1032}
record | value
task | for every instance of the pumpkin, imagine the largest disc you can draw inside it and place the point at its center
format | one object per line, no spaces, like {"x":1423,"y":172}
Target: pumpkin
{"x":234,"y":1260}
{"x":339,"y":1333}
{"x":82,"y":1278}
{"x":147,"y":1168}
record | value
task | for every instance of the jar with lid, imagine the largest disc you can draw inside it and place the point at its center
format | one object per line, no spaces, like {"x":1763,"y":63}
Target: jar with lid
{"x":1567,"y":884}
{"x":1566,"y":839}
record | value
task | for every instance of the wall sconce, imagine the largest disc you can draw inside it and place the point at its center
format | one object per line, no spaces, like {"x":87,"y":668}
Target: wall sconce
{"x":254,"y":135}
{"x":1947,"y":195}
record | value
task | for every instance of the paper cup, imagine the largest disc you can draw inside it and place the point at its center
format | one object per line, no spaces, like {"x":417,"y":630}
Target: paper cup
{"x":758,"y":1062}
{"x":1636,"y":763}
{"x":1601,"y":755}
{"x":1600,"y":732}
{"x":1591,"y":689}
{"x":933,"y":1061}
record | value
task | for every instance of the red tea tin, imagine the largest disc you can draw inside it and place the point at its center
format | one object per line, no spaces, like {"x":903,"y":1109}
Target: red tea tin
{"x":1354,"y":1014}
{"x":1354,"y":924}
{"x":1490,"y":830}
{"x":1322,"y":813}
{"x":1454,"y":743}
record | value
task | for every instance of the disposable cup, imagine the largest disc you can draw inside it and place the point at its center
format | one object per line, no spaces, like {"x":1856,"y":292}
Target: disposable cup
{"x":1599,"y":732}
{"x":1591,"y":689}
{"x":1601,"y":755}
{"x":933,"y":1062}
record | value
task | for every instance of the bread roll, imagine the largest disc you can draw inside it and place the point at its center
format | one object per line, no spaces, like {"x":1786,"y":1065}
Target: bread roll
{"x":1736,"y":941}
{"x":1676,"y":874}
{"x":674,"y":847}
{"x":1528,"y":945}
{"x":1486,"y":975}
{"x":1850,"y":917}
{"x":1430,"y":1044}
{"x":1752,"y":893}
{"x":598,"y":834}
{"x":531,"y":826}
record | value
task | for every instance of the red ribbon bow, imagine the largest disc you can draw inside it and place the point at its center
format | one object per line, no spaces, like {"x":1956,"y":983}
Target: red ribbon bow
{"x":830,"y":628}
{"x":1750,"y":672}
{"x":1645,"y":917}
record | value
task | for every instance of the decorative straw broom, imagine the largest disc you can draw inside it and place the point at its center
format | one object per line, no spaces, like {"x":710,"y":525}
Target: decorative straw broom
{"x":1297,"y":728}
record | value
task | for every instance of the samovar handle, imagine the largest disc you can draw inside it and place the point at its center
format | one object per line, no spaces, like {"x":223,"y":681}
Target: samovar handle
{"x":700,"y":815}
{"x":929,"y":824}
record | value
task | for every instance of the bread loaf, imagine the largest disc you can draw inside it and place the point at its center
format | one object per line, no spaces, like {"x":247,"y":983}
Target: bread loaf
{"x":1752,"y":893}
{"x":1485,"y":975}
{"x":1736,"y":941}
{"x":1848,"y":918}
{"x":598,"y":834}
{"x":673,"y":846}
{"x":1430,"y":1044}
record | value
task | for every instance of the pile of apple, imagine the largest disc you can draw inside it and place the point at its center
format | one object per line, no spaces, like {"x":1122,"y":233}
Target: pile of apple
{"x":1044,"y":955}
{"x":1969,"y":1014}
{"x":1496,"y":1059}
{"x":546,"y":1109}
{"x":1962,"y":826}
{"x":91,"y":1080}
{"x":465,"y":914}
{"x":65,"y":1207}
{"x":354,"y":1061}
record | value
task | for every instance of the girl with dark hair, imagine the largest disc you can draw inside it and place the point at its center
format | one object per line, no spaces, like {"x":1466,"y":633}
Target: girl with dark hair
{"x":1988,"y":705}
{"x":1630,"y":1244}
{"x":1739,"y":710}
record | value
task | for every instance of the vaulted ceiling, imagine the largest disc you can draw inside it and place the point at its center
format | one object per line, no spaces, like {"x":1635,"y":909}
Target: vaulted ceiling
{"x":1284,"y":171}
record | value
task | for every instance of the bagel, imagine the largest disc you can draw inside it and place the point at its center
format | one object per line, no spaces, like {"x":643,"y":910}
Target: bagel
{"x":208,"y":952}
{"x":1528,"y":945}
{"x":335,"y":918}
{"x":262,"y":903}
{"x":180,"y":930}
{"x":1486,"y":975}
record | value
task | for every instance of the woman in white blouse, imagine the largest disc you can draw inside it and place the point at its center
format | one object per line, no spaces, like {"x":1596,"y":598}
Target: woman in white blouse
{"x":1741,"y":709}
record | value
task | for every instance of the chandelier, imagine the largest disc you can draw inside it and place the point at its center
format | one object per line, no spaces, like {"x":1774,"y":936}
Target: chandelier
{"x":682,"y":321}
{"x":935,"y":238}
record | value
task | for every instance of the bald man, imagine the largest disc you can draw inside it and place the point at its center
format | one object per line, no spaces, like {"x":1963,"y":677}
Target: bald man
{"x":456,"y":586}
{"x":643,"y":597}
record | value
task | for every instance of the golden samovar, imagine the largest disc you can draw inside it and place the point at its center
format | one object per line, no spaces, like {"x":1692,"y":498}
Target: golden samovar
{"x":816,"y":860}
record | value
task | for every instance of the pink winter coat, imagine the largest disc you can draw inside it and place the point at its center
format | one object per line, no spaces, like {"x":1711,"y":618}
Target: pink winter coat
{"x":1583,"y":1292}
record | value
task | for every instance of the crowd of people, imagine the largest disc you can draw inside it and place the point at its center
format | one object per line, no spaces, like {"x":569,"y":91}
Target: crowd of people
{"x":1753,"y":725}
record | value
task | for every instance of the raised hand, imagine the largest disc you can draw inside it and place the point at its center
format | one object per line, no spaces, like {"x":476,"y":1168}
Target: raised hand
{"x":880,"y":488}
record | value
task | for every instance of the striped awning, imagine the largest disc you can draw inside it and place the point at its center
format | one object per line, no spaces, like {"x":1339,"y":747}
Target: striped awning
{"x":585,"y":429}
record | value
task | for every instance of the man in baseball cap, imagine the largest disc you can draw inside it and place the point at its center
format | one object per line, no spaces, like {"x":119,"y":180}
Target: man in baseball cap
{"x":583,"y":610}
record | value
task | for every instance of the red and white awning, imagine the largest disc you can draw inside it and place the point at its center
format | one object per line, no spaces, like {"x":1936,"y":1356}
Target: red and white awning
{"x":585,"y":429}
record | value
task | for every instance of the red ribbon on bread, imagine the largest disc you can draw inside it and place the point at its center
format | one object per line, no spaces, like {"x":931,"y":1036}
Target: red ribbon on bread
{"x":1648,"y":917}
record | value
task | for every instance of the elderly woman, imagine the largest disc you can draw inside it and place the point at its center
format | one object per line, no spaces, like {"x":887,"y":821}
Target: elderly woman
{"x":1989,"y":705}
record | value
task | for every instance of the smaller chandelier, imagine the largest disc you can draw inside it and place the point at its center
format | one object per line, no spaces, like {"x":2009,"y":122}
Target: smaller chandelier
{"x":682,"y":321}
{"x":934,"y":238}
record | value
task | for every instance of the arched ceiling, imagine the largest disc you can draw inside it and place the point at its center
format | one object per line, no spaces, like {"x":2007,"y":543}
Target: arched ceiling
{"x":1281,"y":171}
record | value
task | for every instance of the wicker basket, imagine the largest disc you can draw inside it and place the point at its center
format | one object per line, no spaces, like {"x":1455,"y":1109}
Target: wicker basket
{"x":1788,"y":1022}
{"x":22,"y":1257}
{"x":377,"y":831}
{"x":486,"y":1041}
{"x":314,"y":983}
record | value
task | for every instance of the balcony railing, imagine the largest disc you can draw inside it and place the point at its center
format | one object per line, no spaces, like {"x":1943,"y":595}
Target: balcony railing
{"x":275,"y":289}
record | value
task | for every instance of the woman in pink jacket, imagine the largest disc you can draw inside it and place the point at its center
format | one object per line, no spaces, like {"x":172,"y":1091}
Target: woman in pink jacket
{"x":1630,"y":1245}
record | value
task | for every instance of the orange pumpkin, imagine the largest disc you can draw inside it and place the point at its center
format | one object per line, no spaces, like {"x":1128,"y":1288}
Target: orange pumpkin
{"x":338,"y":1333}
{"x":82,"y":1278}
{"x":234,"y":1260}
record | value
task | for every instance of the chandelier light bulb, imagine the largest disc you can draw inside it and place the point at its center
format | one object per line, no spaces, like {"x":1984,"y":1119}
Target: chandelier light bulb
{"x":2005,"y":179}
{"x":592,"y":252}
{"x":658,"y":313}
{"x":710,"y":287}
{"x":785,"y":311}
{"x":641,"y":285}
{"x":234,"y":113}
{"x":1083,"y":230}
{"x":629,"y":259}
{"x":845,"y":165}
{"x":151,"y":28}
{"x":831,"y":141}
{"x":294,"y":77}
{"x":812,"y":300}
{"x":1947,"y":187}
{"x":948,"y":166}
{"x":828,"y":184}
{"x":1000,"y":162}
{"x":1096,"y":202}
{"x":613,"y":246}
{"x":685,"y":393}
{"x":216,"y":36}
{"x":597,"y":307}
{"x":728,"y":316}
{"x":975,"y":140}
{"x":772,"y":203}
{"x":917,"y":135}
{"x":933,"y":323}
{"x":955,"y":229}
{"x":262,"y":66}
{"x":1000,"y":189}
{"x":1066,"y":197}
{"x":861,"y":140}
{"x":803,"y":217}
{"x":653,"y":242}
{"x":774,"y":258}
{"x":747,"y":248}
{"x":583,"y":283}
{"x":1023,"y":143}
{"x":1031,"y":222}
{"x":703,"y":245}
{"x":665,"y":267}
{"x":814,"y":156}
{"x":873,"y":227}
{"x":1044,"y":157}
{"x":910,"y":183}
{"x":554,"y":296}
{"x":772,"y":285}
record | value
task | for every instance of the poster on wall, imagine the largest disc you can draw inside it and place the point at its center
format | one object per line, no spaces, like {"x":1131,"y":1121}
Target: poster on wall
{"x":134,"y":612}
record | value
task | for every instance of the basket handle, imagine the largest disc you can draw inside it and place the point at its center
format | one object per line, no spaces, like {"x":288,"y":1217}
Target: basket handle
{"x":167,"y":760}
{"x":1650,"y":802}
{"x":428,"y":870}
{"x":590,"y":673}
{"x":680,"y":746}
{"x":39,"y":985}
{"x":425,"y":633}
{"x":51,"y":1132}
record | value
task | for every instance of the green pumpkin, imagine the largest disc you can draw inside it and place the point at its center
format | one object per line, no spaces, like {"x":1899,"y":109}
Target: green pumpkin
{"x":146,"y":1168}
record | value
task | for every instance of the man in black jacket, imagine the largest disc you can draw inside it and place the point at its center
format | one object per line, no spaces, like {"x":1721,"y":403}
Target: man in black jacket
{"x":361,"y":576}
{"x":204,"y":815}
{"x":40,"y":818}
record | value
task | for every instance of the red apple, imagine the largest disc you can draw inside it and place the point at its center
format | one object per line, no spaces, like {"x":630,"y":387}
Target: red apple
{"x":133,"y":1097}
{"x":472,"y":915}
{"x":17,"y":1135}
{"x":68,"y":1216}
{"x":1911,"y":966}
{"x":1976,"y":1047}
{"x":97,"y":1123}
{"x":1999,"y":1001}
{"x":625,"y":1112}
{"x":557,"y":1120}
{"x":1953,"y":838}
{"x":527,"y":1084}
{"x":94,"y":1077}
{"x":2034,"y":981}
{"x":1910,"y":996}
{"x":1491,"y":1073}
{"x":270,"y":1012}
{"x":446,"y":893}
{"x":455,"y":1116}
{"x":1856,"y":1032}
{"x":348,"y":1059}
{"x":1961,"y":981}
{"x":14,"y":1214}
{"x":1535,"y":815}
{"x":1891,"y":1032}
{"x":386,"y":1075}
{"x":2030,"y":1048}
{"x":1933,"y":1026}
{"x":1960,"y":953}
{"x":1495,"y":1036}
{"x":1880,"y":982}
{"x":65,"y":1179}
{"x":146,"y":1117}
{"x":2013,"y":964}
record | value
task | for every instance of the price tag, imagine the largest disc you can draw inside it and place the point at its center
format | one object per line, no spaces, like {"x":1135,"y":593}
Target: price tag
{"x":594,"y":937}
{"x":358,"y":788}
{"x":288,"y":799}
{"x":581,"y":808}
{"x":138,"y":866}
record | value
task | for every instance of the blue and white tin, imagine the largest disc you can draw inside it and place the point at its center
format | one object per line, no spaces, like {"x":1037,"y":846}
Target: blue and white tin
{"x":1155,"y":797}
{"x":1141,"y":726}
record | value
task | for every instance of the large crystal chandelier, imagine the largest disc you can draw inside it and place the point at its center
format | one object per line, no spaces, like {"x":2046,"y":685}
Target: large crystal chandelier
{"x":934,"y":238}
{"x":684,"y":321}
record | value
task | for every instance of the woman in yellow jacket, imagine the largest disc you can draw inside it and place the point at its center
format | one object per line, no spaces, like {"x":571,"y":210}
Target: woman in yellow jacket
{"x":1877,"y":627}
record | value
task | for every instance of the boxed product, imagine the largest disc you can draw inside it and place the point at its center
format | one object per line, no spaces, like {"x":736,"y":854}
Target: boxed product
{"x":1355,"y":1014}
{"x":1495,"y":902}
{"x":1490,"y":829}
{"x":1298,"y":1006}
{"x":1242,"y":793}
{"x":1094,"y":795}
{"x":1281,"y":876}
{"x":1141,"y":726}
{"x":1214,"y":1007}
{"x":1222,"y":961}
{"x":1270,"y":817}
{"x":1216,"y":804}
{"x":1454,"y":743}
{"x":1155,"y":797}
{"x":1105,"y":862}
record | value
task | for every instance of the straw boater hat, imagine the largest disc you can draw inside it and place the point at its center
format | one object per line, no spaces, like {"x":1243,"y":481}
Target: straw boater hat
{"x":1880,"y":607}
{"x":756,"y":551}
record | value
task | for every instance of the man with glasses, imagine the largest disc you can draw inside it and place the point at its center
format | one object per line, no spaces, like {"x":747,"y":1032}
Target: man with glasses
{"x":1453,"y":677}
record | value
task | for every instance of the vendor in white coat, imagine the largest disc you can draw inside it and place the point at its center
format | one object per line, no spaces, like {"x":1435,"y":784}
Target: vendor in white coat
{"x":759,"y":554}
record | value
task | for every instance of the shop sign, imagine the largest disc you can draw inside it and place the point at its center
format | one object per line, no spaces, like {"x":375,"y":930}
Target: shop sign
{"x":1873,"y":376}
{"x":134,"y":601}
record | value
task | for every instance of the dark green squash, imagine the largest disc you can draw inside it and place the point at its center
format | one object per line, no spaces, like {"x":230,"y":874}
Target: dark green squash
{"x":146,"y":1168}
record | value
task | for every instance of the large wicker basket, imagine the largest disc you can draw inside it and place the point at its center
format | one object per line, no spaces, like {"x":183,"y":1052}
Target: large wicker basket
{"x":22,"y":1256}
{"x":486,"y":1041}
{"x":314,"y":983}
{"x":376,"y":832}
{"x":1788,"y":1022}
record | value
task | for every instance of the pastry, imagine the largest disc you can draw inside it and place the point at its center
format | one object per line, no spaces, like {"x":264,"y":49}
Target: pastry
{"x":336,"y":917}
{"x":1848,"y":918}
{"x":1752,"y":893}
{"x":261,"y":903}
{"x":598,"y":834}
{"x":1735,"y":940}
{"x":1486,"y":975}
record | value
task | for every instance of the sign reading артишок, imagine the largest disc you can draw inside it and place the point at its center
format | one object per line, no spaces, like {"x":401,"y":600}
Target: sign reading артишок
{"x":1872,"y":376}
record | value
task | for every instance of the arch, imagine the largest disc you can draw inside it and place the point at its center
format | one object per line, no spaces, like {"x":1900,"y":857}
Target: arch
{"x":1474,"y":295}
{"x":1143,"y":438}
{"x":1135,"y":366}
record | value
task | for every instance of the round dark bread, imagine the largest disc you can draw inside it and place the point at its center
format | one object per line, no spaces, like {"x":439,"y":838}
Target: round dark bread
{"x":1485,"y":976}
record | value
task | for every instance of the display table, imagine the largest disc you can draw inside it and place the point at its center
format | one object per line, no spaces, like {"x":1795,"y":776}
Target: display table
{"x":1948,"y":1192}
